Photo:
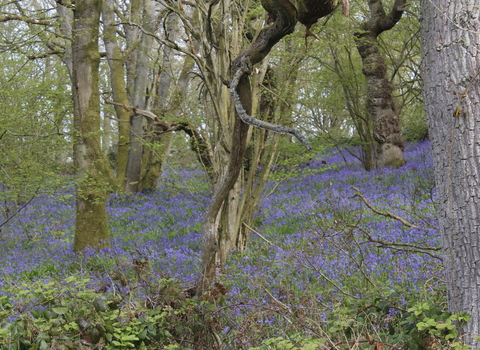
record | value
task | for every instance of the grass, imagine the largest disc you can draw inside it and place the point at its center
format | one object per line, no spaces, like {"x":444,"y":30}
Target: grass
{"x":321,"y":268}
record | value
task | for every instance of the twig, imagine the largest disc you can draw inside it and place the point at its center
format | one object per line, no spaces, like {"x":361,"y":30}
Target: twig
{"x":31,"y":135}
{"x":408,"y":247}
{"x":259,"y":235}
{"x":18,"y":211}
{"x":244,"y":304}
{"x":383,"y":213}
{"x":217,"y":339}
{"x":153,"y":117}
{"x":329,"y":280}
{"x":278,"y":301}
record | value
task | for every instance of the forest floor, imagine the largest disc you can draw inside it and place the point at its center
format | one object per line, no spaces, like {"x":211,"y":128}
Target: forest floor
{"x":338,"y":258}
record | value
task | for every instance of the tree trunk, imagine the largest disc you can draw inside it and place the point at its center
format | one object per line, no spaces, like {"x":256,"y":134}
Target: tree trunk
{"x":134,"y":167}
{"x":451,"y":62}
{"x":117,"y":81}
{"x":91,"y":227}
{"x":156,"y":145}
{"x":285,"y":17}
{"x":380,"y":104}
{"x":211,"y":218}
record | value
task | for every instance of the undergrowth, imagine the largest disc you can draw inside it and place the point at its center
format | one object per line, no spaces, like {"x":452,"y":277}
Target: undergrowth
{"x":330,"y":265}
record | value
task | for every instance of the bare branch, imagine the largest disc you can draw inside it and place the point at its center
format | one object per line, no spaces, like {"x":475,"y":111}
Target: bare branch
{"x":248,"y":119}
{"x":32,"y":135}
{"x":383,"y":213}
{"x":22,"y":207}
{"x":404,"y":247}
{"x":46,"y":54}
{"x":136,"y":111}
{"x":25,"y":19}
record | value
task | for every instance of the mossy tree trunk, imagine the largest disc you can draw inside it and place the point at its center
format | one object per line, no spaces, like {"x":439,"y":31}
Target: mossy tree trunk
{"x":139,"y":99}
{"x":116,"y":63}
{"x":380,"y":103}
{"x":91,"y":225}
{"x":156,"y":145}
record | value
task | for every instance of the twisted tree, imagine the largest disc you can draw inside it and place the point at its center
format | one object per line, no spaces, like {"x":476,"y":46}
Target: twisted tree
{"x":283,"y":16}
{"x":380,"y":103}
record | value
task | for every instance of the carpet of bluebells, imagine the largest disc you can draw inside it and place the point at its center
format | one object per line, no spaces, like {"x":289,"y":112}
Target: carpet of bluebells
{"x":315,"y":246}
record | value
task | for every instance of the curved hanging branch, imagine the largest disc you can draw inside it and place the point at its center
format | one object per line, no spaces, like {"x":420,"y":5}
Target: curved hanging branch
{"x":248,"y":119}
{"x":286,"y":16}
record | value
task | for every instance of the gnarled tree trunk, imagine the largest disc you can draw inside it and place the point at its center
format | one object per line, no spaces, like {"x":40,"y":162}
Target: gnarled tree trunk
{"x":380,"y":103}
{"x":284,"y":15}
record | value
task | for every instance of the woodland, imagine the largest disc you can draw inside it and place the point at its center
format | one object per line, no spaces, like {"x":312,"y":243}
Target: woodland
{"x":239,"y":174}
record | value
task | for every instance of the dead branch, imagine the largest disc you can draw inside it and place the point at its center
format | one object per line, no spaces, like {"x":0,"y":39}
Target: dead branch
{"x":261,"y":124}
{"x":405,"y":247}
{"x":136,"y":111}
{"x":383,"y":213}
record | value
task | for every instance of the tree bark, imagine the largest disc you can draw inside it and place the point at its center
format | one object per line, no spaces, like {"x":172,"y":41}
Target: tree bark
{"x":134,"y":167}
{"x":91,"y":226}
{"x":284,"y":14}
{"x":156,"y":145}
{"x":117,"y":81}
{"x":451,"y":62}
{"x":380,"y":103}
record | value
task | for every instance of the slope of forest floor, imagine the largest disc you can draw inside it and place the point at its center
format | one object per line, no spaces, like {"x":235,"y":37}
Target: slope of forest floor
{"x":322,"y":269}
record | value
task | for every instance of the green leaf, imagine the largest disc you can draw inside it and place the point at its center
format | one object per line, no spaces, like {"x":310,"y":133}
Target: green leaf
{"x":143,"y":334}
{"x":60,"y":310}
{"x":43,"y":345}
{"x":129,"y":337}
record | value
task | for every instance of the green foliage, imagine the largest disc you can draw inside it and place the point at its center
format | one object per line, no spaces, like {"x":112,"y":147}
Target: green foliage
{"x":428,"y":321}
{"x":294,"y":161}
{"x":34,"y":141}
{"x":72,"y":314}
{"x":296,"y":342}
{"x":415,"y":129}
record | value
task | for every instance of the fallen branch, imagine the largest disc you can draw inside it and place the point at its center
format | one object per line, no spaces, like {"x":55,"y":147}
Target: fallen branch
{"x":383,"y":213}
{"x":20,"y":209}
{"x":404,"y":247}
{"x":259,"y":235}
